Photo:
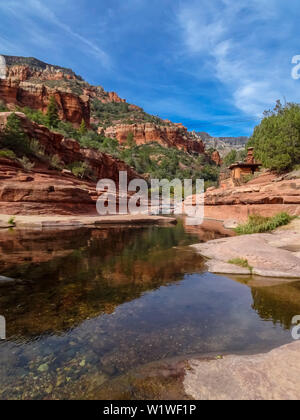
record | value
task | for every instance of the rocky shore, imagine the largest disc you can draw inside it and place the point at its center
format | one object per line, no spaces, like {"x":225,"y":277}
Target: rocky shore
{"x":270,"y":376}
{"x":40,"y":222}
{"x":267,"y":376}
{"x":274,"y":254}
{"x":266,"y":195}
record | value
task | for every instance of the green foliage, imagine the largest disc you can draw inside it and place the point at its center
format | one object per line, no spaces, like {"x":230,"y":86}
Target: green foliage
{"x":26,"y":163}
{"x":234,"y":156}
{"x":107,"y":113}
{"x":52,"y":118}
{"x":82,"y":129}
{"x":152,"y":159}
{"x":12,"y":221}
{"x":79,"y":169}
{"x":3,"y":107}
{"x":277,"y":139}
{"x":34,"y":115}
{"x":55,"y":162}
{"x":230,"y":158}
{"x":130,"y":140}
{"x":37,"y":150}
{"x":168,"y":163}
{"x":260,"y":224}
{"x":209,"y":184}
{"x":241,"y":262}
{"x":91,"y":140}
{"x":67,"y":130}
{"x":14,"y":138}
{"x":9,"y":154}
{"x":110,"y":146}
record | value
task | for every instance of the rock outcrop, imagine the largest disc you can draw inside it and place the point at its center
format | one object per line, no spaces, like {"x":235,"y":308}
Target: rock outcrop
{"x":270,"y":376}
{"x":170,"y":135}
{"x":215,"y":157}
{"x":69,"y":151}
{"x":265,"y":195}
{"x":33,"y":85}
{"x":42,"y":191}
{"x":263,"y":251}
{"x":36,"y":193}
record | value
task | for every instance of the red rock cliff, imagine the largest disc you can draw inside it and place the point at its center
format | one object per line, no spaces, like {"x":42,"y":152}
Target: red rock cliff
{"x":266,"y":195}
{"x":33,"y":87}
{"x":172,"y":135}
{"x":52,"y":192}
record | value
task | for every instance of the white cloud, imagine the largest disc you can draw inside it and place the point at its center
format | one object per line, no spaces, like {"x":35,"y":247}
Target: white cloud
{"x":35,"y":8}
{"x":235,"y":40}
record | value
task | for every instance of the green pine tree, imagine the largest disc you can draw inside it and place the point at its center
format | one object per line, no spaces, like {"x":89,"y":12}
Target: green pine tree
{"x":276,"y":139}
{"x":52,"y":114}
{"x":82,"y":129}
{"x":130,"y":142}
{"x":14,"y":138}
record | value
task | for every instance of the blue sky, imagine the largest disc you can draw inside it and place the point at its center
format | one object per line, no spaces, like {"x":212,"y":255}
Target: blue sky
{"x":214,"y":65}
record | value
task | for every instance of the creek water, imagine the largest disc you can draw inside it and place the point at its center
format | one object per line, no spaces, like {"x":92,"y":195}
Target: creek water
{"x":85,"y":307}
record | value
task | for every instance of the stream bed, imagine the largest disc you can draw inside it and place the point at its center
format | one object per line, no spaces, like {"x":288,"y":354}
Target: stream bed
{"x":85,"y":307}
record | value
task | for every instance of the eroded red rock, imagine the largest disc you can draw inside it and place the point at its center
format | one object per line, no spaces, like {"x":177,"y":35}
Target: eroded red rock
{"x":172,"y":135}
{"x":44,"y":191}
{"x":33,"y":87}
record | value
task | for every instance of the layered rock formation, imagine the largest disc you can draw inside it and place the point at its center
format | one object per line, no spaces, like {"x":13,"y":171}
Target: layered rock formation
{"x":171,"y":135}
{"x":31,"y":83}
{"x":265,"y":195}
{"x":53,"y":192}
{"x":37,"y":193}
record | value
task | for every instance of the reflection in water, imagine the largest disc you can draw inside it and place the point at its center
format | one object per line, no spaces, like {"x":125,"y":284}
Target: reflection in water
{"x":278,"y":304}
{"x":77,"y":275}
{"x":89,"y":305}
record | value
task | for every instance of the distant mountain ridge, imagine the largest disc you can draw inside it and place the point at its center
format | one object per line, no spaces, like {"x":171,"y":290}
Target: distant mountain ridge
{"x":223,"y":144}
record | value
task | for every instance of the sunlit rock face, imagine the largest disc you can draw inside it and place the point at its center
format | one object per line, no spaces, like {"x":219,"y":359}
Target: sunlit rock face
{"x":265,"y":195}
{"x":172,"y":135}
{"x":44,"y":191}
{"x":30,"y":82}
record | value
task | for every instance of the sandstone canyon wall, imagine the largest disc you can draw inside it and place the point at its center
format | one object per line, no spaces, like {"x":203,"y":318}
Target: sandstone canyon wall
{"x":172,"y":135}
{"x":30,"y":82}
{"x":33,"y":87}
{"x":265,"y":195}
{"x":44,"y":191}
